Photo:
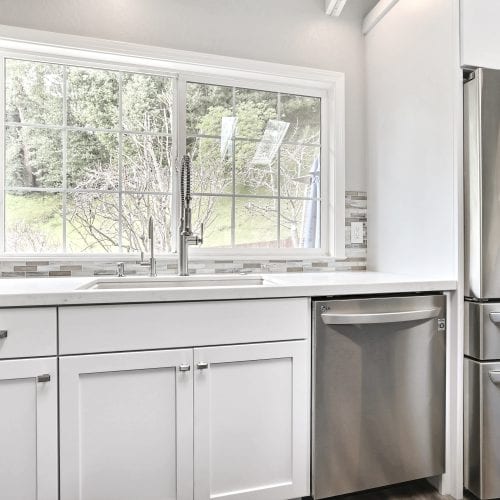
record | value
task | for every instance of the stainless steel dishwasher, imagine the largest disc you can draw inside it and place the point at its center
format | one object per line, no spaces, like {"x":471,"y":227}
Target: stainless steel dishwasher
{"x":378,"y":392}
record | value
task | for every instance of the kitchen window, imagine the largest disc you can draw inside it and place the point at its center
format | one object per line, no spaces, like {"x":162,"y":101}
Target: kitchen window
{"x":90,"y":153}
{"x":88,"y":158}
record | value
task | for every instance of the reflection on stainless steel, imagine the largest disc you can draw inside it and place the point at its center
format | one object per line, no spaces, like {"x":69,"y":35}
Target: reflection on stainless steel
{"x":482,"y":282}
{"x":482,"y":330}
{"x":482,"y":441}
{"x":482,"y":184}
{"x":379,"y":392}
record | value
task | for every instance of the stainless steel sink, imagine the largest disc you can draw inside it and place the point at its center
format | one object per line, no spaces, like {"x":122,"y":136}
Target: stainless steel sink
{"x":166,"y":282}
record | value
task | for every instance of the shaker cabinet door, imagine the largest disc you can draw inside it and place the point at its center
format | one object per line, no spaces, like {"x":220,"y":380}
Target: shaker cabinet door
{"x":28,"y":429}
{"x":127,"y":426}
{"x":252,"y":421}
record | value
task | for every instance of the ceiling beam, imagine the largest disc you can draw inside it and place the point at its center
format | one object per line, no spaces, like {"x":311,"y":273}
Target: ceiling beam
{"x":334,"y":7}
{"x":377,"y":13}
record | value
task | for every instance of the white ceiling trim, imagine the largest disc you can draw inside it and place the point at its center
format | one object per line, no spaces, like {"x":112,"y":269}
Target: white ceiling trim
{"x":377,"y":13}
{"x":334,"y":7}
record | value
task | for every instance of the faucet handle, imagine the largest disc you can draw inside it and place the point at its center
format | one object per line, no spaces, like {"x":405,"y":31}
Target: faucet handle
{"x":120,"y":269}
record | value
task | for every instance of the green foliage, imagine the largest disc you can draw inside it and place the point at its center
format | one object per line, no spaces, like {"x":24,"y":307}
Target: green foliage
{"x":33,"y":222}
{"x":34,"y":92}
{"x":99,"y":154}
{"x":93,"y":98}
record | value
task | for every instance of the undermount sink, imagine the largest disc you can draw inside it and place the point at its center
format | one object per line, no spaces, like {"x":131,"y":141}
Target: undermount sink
{"x":166,"y":282}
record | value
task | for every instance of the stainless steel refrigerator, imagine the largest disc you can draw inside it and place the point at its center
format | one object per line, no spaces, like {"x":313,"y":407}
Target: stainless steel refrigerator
{"x":482,"y":282}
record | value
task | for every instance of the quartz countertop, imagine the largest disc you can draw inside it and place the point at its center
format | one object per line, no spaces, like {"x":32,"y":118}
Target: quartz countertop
{"x":67,"y":291}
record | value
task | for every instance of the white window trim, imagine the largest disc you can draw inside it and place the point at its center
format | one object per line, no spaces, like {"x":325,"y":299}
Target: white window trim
{"x":330,"y":85}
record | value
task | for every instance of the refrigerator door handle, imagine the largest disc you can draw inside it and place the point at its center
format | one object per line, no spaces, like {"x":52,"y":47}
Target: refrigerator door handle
{"x":377,"y":318}
{"x":495,"y":318}
{"x":494,"y":376}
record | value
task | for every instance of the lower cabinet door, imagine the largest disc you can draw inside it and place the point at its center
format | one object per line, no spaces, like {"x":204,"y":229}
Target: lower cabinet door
{"x":126,"y":430}
{"x":28,"y":429}
{"x":252,"y":405}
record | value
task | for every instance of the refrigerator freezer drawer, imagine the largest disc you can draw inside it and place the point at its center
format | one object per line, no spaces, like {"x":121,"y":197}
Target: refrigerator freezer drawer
{"x":482,"y":428}
{"x":482,"y":330}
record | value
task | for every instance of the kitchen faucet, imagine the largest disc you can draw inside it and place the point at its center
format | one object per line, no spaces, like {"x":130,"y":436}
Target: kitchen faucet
{"x":186,"y":236}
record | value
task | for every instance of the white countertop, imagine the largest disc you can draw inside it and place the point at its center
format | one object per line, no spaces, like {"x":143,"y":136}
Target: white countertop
{"x":65,"y":291}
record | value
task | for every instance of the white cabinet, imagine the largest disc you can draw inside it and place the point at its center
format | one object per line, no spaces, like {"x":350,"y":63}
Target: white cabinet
{"x":125,"y":327}
{"x":479,"y":35}
{"x":220,"y":421}
{"x":28,"y":429}
{"x":252,"y":421}
{"x":127,"y":426}
{"x":28,"y":332}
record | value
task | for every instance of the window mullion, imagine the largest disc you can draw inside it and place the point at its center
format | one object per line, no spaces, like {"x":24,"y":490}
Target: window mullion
{"x":278,"y":178}
{"x":233,"y":204}
{"x":2,"y":154}
{"x":120,"y":162}
{"x":65,"y":158}
{"x":178,"y":150}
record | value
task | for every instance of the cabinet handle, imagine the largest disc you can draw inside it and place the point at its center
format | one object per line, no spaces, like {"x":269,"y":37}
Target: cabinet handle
{"x":43,"y":378}
{"x":202,"y":366}
{"x":184,"y":368}
{"x":3,"y":334}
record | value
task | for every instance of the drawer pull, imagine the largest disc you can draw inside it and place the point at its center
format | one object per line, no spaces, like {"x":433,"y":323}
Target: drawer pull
{"x":378,"y":318}
{"x":184,"y":368}
{"x":202,"y":366}
{"x":3,"y":334}
{"x":495,"y":318}
{"x":43,"y":378}
{"x":494,"y":376}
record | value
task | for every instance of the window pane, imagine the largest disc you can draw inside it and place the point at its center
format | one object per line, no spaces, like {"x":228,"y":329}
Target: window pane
{"x":147,"y":103}
{"x":256,"y":223}
{"x":206,"y":105}
{"x":255,"y":175}
{"x":136,"y":212}
{"x":33,"y":222}
{"x":92,"y":160}
{"x":215,"y":213}
{"x":33,"y":157}
{"x":304,"y":116}
{"x":93,"y":96}
{"x":92,"y":222}
{"x":147,"y":161}
{"x":254,"y":109}
{"x":33,"y":92}
{"x":212,"y":165}
{"x":300,"y":171}
{"x":300,"y":224}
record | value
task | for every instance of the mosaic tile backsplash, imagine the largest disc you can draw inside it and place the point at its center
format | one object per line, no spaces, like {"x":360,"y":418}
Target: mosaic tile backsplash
{"x":355,"y":211}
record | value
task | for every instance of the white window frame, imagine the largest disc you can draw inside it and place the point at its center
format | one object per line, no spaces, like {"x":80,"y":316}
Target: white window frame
{"x":187,"y":66}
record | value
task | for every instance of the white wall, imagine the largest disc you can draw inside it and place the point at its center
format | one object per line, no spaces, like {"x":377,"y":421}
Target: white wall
{"x":414,"y":153}
{"x":413,"y":97}
{"x":285,"y":31}
{"x":480,"y":38}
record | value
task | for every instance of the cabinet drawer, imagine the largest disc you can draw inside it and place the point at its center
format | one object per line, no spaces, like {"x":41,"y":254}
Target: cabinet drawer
{"x":28,"y":332}
{"x":482,"y":330}
{"x":482,"y":428}
{"x":124,"y":327}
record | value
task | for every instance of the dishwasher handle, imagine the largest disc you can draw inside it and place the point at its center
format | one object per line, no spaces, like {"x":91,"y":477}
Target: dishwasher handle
{"x":378,"y":318}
